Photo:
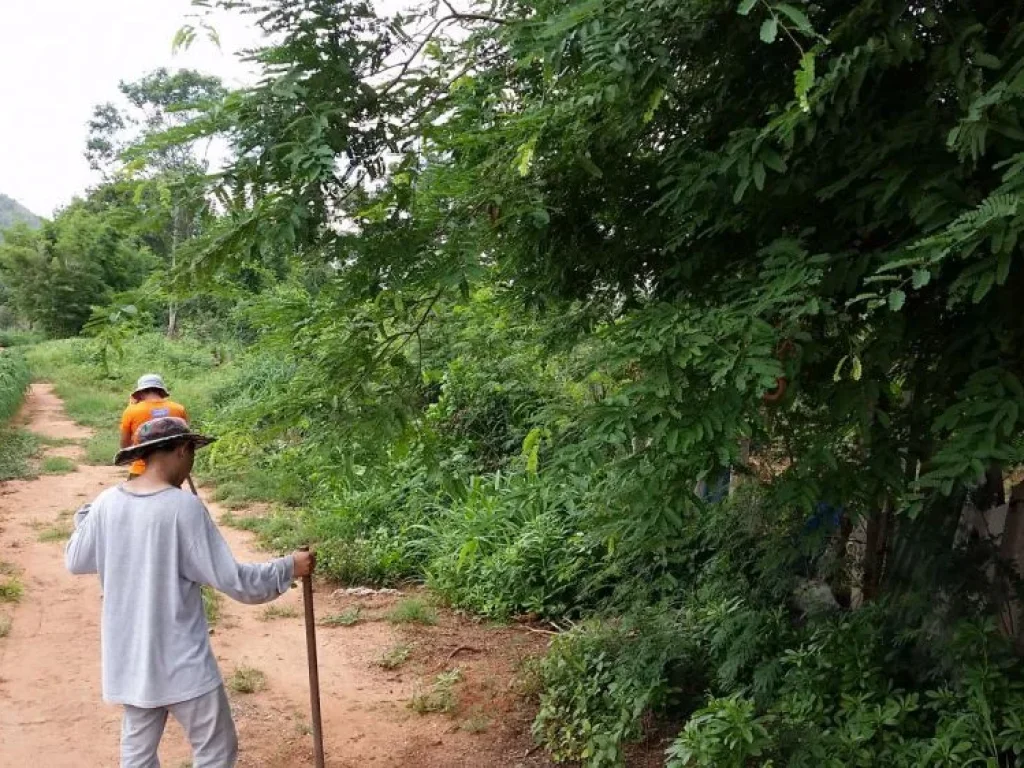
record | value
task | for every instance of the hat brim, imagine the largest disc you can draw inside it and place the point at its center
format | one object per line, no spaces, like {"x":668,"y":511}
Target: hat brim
{"x":135,"y":452}
{"x":146,"y":389}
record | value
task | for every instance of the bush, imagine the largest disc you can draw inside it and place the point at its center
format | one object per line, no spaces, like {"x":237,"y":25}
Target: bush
{"x":14,"y":381}
{"x":847,"y":697}
{"x":599,"y":682}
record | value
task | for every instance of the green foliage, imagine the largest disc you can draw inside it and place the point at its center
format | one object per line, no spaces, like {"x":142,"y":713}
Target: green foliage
{"x":16,"y":338}
{"x":14,"y":381}
{"x":598,"y":681}
{"x":841,"y":702}
{"x":55,"y":275}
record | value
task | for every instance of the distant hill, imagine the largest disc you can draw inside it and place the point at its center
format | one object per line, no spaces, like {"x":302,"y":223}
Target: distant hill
{"x":11,"y":212}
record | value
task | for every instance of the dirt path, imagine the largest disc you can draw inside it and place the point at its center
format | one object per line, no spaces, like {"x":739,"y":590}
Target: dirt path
{"x":50,"y":708}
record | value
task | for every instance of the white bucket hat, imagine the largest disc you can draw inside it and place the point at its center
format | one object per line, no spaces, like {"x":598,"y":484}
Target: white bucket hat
{"x":150,"y":381}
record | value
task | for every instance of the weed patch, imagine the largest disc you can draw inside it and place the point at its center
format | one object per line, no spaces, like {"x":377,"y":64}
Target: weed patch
{"x":274,"y":612}
{"x":60,"y":531}
{"x":346,"y":618}
{"x":247,"y":680}
{"x":395,"y":656}
{"x":440,"y":697}
{"x":11,"y":589}
{"x":412,"y":610}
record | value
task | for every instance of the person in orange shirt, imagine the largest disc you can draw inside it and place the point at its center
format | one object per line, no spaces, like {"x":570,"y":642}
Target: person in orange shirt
{"x":150,"y":400}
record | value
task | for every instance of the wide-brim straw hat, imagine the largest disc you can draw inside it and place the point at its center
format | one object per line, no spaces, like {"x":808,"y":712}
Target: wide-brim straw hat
{"x":156,"y":432}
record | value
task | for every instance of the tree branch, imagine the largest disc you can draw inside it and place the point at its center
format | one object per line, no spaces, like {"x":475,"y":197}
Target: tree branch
{"x":430,"y":35}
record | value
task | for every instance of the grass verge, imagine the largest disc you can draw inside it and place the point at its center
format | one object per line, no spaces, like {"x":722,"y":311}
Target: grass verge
{"x":17,"y":448}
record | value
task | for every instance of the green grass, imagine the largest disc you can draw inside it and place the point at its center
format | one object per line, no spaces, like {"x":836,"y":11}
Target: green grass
{"x":274,"y":612}
{"x":346,"y":618}
{"x":101,"y":447}
{"x":54,"y":442}
{"x":17,"y":448}
{"x":5,"y":624}
{"x":211,"y":605}
{"x":10,"y":337}
{"x":59,"y":532}
{"x":395,"y":656}
{"x":57,"y":465}
{"x":11,"y":589}
{"x":440,"y":697}
{"x":247,"y":680}
{"x":412,"y":610}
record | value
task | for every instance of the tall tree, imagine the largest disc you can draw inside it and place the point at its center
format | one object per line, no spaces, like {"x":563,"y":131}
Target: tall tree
{"x":163,"y":181}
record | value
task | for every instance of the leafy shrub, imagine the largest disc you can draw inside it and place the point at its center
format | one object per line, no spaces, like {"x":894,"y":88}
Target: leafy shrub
{"x":599,"y":681}
{"x":14,"y":381}
{"x":849,"y":696}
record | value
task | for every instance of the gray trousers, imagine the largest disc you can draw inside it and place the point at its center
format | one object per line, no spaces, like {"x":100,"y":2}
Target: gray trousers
{"x":207,"y":723}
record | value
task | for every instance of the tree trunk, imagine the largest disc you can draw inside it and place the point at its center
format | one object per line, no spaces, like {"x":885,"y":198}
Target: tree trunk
{"x":1011,"y":565}
{"x":875,"y":547}
{"x":838,"y":577}
{"x":172,"y":309}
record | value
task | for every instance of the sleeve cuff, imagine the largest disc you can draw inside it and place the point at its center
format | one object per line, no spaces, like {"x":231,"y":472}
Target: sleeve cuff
{"x":288,"y":563}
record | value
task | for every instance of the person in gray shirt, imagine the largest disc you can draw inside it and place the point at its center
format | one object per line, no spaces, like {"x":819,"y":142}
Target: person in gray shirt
{"x":153,"y":546}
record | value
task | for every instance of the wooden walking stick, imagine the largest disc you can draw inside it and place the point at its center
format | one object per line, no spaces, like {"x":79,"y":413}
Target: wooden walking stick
{"x":314,"y":671}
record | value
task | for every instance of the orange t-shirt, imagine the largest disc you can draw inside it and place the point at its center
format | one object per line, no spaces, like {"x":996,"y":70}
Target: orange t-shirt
{"x":138,"y":414}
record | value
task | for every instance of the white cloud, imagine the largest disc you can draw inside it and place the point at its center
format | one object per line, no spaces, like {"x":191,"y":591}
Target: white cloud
{"x":59,"y":58}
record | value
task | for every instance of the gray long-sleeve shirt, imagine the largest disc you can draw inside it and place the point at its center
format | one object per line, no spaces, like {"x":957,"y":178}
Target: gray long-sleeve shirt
{"x":152,"y":553}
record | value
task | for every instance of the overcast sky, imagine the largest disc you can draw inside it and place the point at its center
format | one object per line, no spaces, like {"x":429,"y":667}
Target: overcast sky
{"x":59,"y":58}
